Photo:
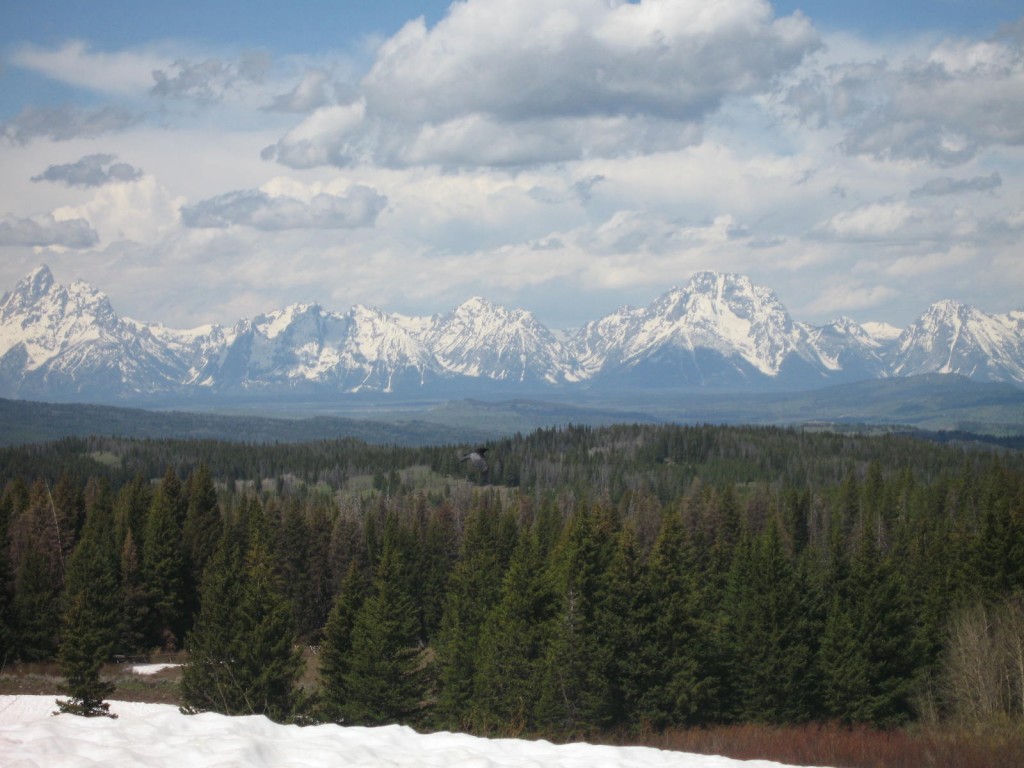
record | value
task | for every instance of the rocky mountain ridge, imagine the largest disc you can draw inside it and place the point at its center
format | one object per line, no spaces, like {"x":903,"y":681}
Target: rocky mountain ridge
{"x":718,"y":331}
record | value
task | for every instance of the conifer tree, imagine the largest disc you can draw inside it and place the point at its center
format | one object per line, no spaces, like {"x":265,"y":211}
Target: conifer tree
{"x":38,"y":565}
{"x":91,"y":613}
{"x":203,"y":524}
{"x":472,"y":590}
{"x":133,"y":628}
{"x":675,"y":686}
{"x":386,"y":681}
{"x":767,"y":634}
{"x":336,"y":649}
{"x":621,"y":613}
{"x":164,"y":563}
{"x":575,"y":693}
{"x":242,"y":654}
{"x":866,"y":658}
{"x":512,"y":643}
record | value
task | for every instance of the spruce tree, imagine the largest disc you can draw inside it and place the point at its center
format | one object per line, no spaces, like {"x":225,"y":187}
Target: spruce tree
{"x":164,"y":564}
{"x":472,"y":590}
{"x":511,"y":645}
{"x":242,"y":654}
{"x":91,"y":613}
{"x":575,"y":694}
{"x":767,"y":635}
{"x":675,"y":685}
{"x":386,"y":680}
{"x":336,"y":649}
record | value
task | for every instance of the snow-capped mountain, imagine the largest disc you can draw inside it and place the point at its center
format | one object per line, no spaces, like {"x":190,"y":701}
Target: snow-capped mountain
{"x":849,"y":350}
{"x":305,"y":347}
{"x":482,"y":340}
{"x":951,"y":337}
{"x":69,"y":341}
{"x":719,"y":330}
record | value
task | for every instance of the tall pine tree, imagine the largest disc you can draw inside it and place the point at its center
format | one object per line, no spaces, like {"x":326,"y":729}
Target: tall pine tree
{"x":91,"y":613}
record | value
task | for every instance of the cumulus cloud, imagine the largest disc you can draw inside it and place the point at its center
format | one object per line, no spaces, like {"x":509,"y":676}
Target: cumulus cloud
{"x":359,"y":207}
{"x":313,"y":91}
{"x":498,"y":83}
{"x":950,"y":186}
{"x":900,"y":223}
{"x":942,"y":108}
{"x":44,"y":231}
{"x":91,"y":171}
{"x":65,"y":123}
{"x":209,"y":80}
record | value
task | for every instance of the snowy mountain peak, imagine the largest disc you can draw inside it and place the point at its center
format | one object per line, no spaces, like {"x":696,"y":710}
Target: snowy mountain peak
{"x":718,"y":330}
{"x":953,"y":337}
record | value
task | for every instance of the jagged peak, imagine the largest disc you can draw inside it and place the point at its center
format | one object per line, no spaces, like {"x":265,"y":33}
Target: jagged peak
{"x":35,"y":284}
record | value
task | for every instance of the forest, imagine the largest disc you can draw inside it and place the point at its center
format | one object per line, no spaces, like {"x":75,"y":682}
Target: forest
{"x":599,"y":579}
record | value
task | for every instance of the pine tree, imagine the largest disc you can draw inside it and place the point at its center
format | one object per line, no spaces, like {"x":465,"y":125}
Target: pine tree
{"x":621,"y":613}
{"x":91,"y":613}
{"x":336,"y":649}
{"x":242,"y":653}
{"x":386,"y":681}
{"x":866,"y":659}
{"x":575,"y":693}
{"x":38,"y":565}
{"x":134,"y":623}
{"x":511,"y":645}
{"x":675,"y":685}
{"x":203,"y":524}
{"x":767,"y":634}
{"x":472,"y":590}
{"x":164,"y":564}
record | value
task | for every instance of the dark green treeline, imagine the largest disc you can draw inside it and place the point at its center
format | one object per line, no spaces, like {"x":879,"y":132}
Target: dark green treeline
{"x":619,"y":578}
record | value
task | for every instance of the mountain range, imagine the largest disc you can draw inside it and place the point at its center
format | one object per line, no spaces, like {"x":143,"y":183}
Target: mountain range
{"x":718,"y":332}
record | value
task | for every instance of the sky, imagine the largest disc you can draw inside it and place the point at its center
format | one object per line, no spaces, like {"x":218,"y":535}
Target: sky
{"x":159,"y":736}
{"x":206,"y":162}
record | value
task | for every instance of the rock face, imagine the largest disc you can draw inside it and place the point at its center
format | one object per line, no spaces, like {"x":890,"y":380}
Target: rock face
{"x":720,"y":330}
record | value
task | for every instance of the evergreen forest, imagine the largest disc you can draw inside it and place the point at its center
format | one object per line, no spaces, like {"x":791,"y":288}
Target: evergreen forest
{"x":598,"y":579}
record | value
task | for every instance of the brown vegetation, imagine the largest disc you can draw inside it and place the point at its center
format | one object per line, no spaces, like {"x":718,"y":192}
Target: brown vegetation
{"x":853,"y":747}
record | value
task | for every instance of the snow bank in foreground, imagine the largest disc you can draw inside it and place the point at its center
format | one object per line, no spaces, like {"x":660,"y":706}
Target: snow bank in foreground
{"x":158,"y":736}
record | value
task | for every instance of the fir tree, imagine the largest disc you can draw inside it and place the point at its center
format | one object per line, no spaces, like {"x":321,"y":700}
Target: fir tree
{"x":675,"y":685}
{"x":385,"y":681}
{"x":575,"y":692}
{"x":511,"y":645}
{"x":164,"y":564}
{"x":91,"y":615}
{"x":242,"y":654}
{"x":336,"y":650}
{"x":472,"y":590}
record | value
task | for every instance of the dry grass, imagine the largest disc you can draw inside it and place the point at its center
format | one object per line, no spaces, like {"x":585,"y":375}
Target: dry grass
{"x":853,"y":747}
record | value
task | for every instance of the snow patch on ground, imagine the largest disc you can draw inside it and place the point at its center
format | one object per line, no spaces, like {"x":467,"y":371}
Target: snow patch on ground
{"x":159,"y":736}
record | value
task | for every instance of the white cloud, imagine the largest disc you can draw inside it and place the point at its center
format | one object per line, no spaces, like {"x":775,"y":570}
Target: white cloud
{"x":45,"y":231}
{"x":211,"y":79}
{"x":358,"y":207}
{"x":65,"y":123}
{"x":142,"y":211}
{"x":90,"y":171}
{"x":119,"y":73}
{"x":941,"y":107}
{"x":498,"y":83}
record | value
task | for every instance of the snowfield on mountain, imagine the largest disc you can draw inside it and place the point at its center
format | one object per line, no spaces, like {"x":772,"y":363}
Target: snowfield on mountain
{"x":718,"y":331}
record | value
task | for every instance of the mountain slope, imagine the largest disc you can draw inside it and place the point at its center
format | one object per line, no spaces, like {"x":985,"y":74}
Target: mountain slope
{"x":951,"y":337}
{"x":719,"y":331}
